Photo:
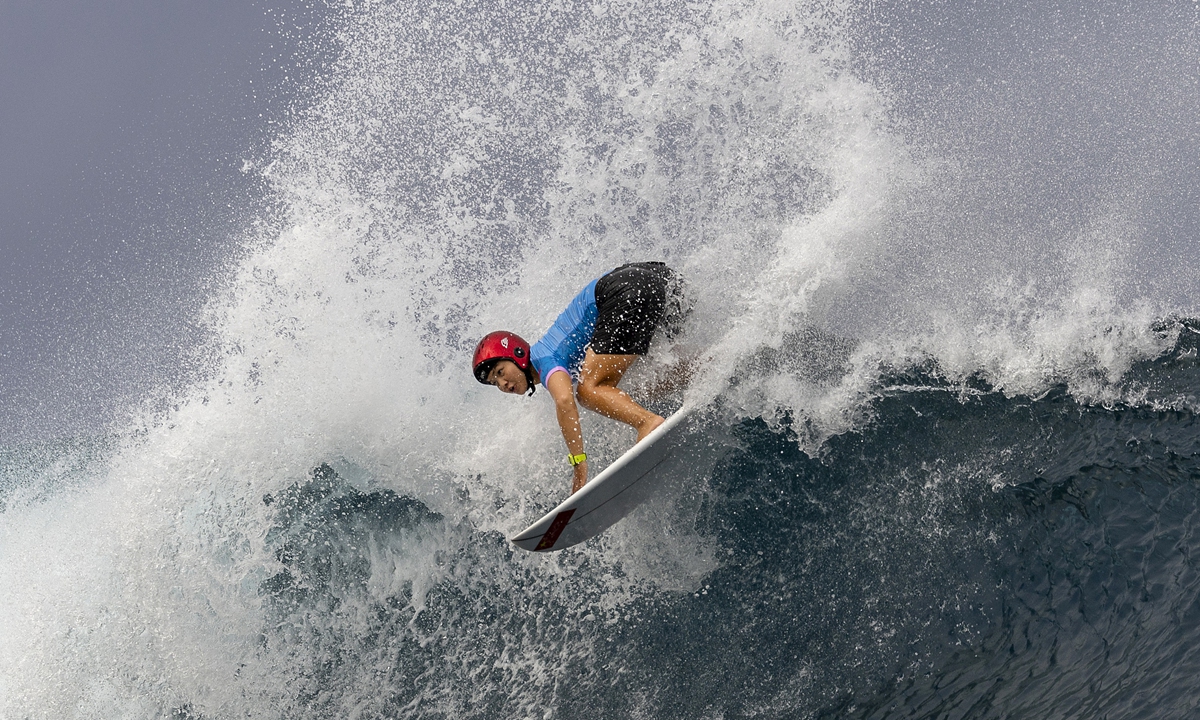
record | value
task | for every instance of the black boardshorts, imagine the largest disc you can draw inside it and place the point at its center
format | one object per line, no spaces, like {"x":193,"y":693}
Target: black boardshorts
{"x":632,"y":302}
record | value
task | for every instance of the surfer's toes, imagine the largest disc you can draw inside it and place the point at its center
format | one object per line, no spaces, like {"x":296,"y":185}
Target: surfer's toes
{"x":648,"y":425}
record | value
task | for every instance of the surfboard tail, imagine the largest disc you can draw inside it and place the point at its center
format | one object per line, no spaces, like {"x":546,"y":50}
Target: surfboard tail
{"x":555,"y":530}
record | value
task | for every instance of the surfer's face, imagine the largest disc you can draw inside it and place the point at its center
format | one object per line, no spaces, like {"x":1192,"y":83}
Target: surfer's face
{"x":508,"y":377}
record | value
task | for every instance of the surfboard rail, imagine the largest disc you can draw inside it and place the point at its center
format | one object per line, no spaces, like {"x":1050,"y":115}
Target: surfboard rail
{"x":609,"y":496}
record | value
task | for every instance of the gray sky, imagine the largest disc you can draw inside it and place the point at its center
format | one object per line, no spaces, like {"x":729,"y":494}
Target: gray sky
{"x":124,"y":123}
{"x":123,"y":126}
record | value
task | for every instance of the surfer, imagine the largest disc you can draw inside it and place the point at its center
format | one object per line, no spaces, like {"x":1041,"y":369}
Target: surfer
{"x":604,"y":329}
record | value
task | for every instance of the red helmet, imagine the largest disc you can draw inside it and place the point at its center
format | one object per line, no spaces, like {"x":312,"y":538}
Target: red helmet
{"x":497,"y":346}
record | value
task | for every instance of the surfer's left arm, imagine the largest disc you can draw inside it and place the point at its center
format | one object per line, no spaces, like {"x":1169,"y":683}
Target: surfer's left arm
{"x":559,"y":385}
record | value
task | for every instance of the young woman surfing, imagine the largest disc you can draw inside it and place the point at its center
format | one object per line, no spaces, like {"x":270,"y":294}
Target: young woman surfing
{"x":604,"y":329}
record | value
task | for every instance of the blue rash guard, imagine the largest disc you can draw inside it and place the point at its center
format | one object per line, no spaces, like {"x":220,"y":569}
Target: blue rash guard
{"x":563,"y":345}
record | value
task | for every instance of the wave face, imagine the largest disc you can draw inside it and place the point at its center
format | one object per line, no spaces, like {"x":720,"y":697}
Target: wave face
{"x":944,"y":293}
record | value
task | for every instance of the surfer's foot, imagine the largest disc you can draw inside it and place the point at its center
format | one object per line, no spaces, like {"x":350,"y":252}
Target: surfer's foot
{"x":648,"y":425}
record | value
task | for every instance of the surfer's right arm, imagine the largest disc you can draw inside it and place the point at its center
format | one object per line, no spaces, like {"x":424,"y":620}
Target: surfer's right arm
{"x":559,"y":385}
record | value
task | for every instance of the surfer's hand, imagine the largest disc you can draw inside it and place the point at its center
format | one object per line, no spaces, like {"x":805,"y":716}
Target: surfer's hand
{"x":580,"y":477}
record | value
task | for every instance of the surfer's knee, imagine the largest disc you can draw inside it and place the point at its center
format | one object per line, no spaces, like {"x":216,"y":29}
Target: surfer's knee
{"x":586,"y":392}
{"x":595,"y":394}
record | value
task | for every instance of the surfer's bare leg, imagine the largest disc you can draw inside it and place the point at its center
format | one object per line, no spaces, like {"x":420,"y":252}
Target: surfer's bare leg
{"x":674,"y":378}
{"x":598,"y":391}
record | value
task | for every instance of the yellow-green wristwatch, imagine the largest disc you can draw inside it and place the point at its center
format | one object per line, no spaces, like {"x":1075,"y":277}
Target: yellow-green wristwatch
{"x":576,"y":459}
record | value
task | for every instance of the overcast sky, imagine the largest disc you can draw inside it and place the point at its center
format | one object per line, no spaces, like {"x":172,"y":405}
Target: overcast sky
{"x":123,"y":127}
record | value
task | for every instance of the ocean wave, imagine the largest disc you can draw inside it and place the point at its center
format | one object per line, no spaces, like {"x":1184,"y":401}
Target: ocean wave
{"x":948,"y":453}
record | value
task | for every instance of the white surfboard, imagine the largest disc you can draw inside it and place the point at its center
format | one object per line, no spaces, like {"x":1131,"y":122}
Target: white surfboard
{"x":609,"y":496}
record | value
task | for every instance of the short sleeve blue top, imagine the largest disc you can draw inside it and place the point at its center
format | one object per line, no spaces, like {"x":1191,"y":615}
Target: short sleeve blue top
{"x":563,"y":345}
